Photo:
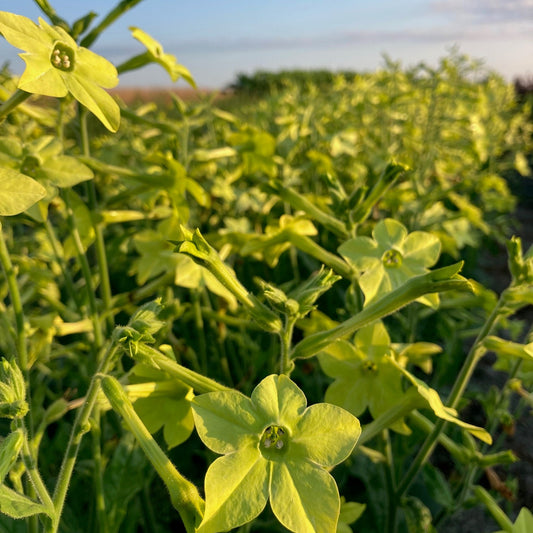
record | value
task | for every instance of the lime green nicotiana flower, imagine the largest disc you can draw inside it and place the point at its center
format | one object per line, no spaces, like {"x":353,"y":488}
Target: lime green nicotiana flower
{"x":391,"y":258}
{"x":56,"y":66}
{"x":364,"y":374}
{"x":274,"y":448}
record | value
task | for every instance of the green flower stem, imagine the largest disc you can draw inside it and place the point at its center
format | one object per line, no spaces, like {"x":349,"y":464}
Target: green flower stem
{"x":12,"y":102}
{"x":199,"y":250}
{"x":98,"y":471}
{"x":183,"y":494}
{"x":309,"y":246}
{"x":59,"y":257}
{"x":32,"y":471}
{"x":147,"y":510}
{"x":391,"y":173}
{"x":86,"y":272}
{"x":135,"y":62}
{"x":299,"y":202}
{"x":164,"y":126}
{"x":200,"y":331}
{"x":494,"y":509}
{"x":101,"y":257}
{"x":144,"y":292}
{"x":390,"y":521}
{"x":410,"y":401}
{"x":285,"y":345}
{"x":50,"y":12}
{"x":16,"y":302}
{"x":114,"y":14}
{"x":442,"y":279}
{"x":474,"y":355}
{"x":150,"y":356}
{"x":80,"y":427}
{"x":460,"y":453}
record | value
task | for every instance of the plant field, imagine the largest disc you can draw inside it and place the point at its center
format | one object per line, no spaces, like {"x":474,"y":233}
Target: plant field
{"x":265,"y":312}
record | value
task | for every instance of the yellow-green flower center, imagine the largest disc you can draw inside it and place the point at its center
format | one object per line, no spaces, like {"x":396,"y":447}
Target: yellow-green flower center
{"x":30,"y":164}
{"x":62,"y":57}
{"x":392,"y":258}
{"x":274,"y":440}
{"x":370,"y":367}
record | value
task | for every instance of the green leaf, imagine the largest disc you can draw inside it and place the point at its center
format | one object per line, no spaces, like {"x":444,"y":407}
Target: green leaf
{"x":16,"y":505}
{"x":417,"y":516}
{"x":10,"y":448}
{"x":124,"y":477}
{"x":524,"y":522}
{"x":236,"y":490}
{"x":304,"y":497}
{"x":18,"y":192}
{"x":350,"y":512}
{"x":226,"y":420}
{"x":193,"y":276}
{"x":446,"y":413}
{"x":66,"y":171}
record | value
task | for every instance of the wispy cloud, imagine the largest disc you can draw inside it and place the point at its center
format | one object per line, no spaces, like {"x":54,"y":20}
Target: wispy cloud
{"x":486,"y":11}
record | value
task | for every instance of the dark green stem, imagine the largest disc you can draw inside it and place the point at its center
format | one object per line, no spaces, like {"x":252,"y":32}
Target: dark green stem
{"x":476,"y":352}
{"x":12,"y":102}
{"x":81,"y":426}
{"x":86,"y":272}
{"x":113,"y":15}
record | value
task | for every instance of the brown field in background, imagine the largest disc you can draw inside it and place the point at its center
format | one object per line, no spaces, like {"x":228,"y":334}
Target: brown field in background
{"x":136,"y":95}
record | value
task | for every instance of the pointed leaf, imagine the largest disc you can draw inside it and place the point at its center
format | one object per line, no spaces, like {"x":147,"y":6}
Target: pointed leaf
{"x":66,"y":171}
{"x":18,"y":192}
{"x":446,"y":413}
{"x":16,"y":505}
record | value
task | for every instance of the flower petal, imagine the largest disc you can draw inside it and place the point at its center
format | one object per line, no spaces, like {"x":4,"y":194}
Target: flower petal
{"x":304,"y":497}
{"x":236,"y":490}
{"x":279,"y":400}
{"x":362,"y":252}
{"x":96,"y":68}
{"x":389,"y":233}
{"x":23,"y":33}
{"x":422,"y":247}
{"x":95,"y":99}
{"x":374,"y":283}
{"x":340,"y":358}
{"x":40,"y":77}
{"x":351,"y":392}
{"x":326,"y":433}
{"x":226,"y":420}
{"x":56,"y":33}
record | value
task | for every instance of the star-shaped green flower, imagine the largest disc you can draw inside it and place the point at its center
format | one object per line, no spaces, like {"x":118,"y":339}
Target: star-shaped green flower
{"x":275,"y":448}
{"x":364,"y":373}
{"x":56,"y":66}
{"x":391,"y":258}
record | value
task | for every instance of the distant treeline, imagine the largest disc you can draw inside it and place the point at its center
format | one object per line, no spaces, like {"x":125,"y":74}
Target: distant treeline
{"x":262,"y":82}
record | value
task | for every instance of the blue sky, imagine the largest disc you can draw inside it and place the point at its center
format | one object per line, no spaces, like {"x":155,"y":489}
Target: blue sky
{"x":216,"y":39}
